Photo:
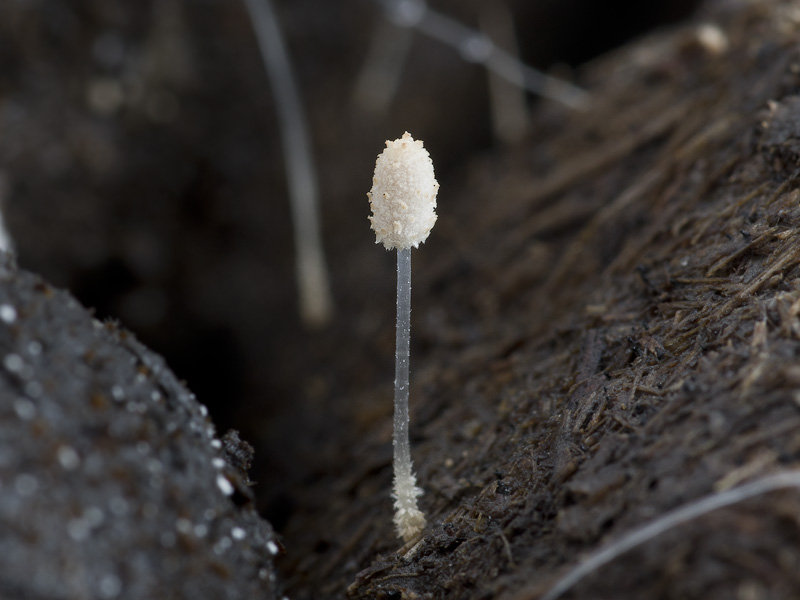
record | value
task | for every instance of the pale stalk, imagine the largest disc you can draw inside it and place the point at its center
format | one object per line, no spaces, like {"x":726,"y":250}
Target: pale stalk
{"x":408,"y":519}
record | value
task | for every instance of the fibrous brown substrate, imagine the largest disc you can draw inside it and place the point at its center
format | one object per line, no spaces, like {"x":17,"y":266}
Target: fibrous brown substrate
{"x":606,"y":328}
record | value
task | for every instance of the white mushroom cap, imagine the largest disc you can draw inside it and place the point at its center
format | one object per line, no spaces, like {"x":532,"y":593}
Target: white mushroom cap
{"x":403,"y":195}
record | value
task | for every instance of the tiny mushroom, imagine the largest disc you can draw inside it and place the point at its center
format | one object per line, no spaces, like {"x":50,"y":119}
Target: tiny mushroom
{"x":403,"y":203}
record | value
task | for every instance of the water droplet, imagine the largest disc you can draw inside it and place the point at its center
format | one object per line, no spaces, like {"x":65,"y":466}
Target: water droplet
{"x":222,"y":545}
{"x":272,"y":547}
{"x":238,"y":533}
{"x":8,"y":313}
{"x":216,"y":444}
{"x":183,"y":526}
{"x":200,"y":530}
{"x":34,"y":348}
{"x":24,"y":408}
{"x":224,"y":485}
{"x":118,"y":506}
{"x":68,"y":458}
{"x":136,"y":407}
{"x":13,"y":363}
{"x":117,"y":392}
{"x":78,"y":529}
{"x":26,"y":485}
{"x":94,"y":516}
{"x":110,"y":586}
{"x":33,"y":389}
{"x":218,"y":462}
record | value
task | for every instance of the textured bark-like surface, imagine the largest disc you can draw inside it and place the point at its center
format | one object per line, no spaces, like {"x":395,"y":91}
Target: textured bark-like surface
{"x":607,"y":329}
{"x":113,"y":483}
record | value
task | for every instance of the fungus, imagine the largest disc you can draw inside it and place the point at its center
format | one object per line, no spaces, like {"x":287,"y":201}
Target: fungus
{"x":403,"y":203}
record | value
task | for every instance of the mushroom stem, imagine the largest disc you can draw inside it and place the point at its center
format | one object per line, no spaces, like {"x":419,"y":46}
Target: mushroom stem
{"x":402,"y":451}
{"x":408,"y":519}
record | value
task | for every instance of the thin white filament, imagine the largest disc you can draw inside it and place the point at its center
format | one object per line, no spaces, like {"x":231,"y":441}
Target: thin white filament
{"x":771,"y":483}
{"x":478,"y":48}
{"x":383,"y":68}
{"x":316,"y":304}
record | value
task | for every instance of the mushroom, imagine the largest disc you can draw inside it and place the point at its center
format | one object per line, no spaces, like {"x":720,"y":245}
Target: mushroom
{"x":403,"y":204}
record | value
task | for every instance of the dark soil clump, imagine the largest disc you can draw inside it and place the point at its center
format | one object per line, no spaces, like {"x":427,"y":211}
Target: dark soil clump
{"x":114,"y":484}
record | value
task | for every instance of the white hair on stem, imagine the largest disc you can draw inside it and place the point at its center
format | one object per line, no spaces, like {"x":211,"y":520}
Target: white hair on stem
{"x":316,"y":304}
{"x":692,"y":510}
